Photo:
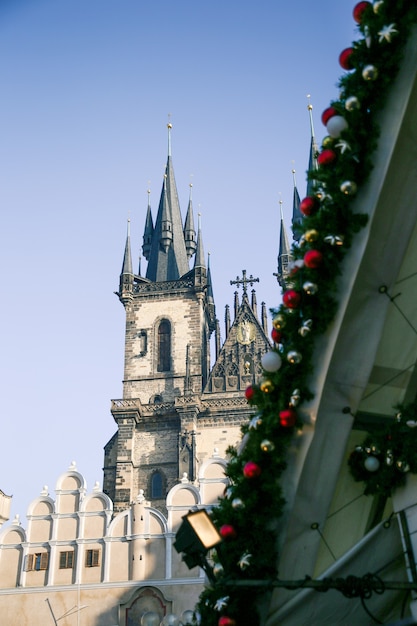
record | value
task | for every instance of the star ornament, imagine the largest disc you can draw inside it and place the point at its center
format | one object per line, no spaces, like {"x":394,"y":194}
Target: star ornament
{"x":221,"y":603}
{"x":343,"y":145}
{"x":334,"y":240}
{"x":387,"y":32}
{"x":244,"y":561}
{"x":255,"y":422}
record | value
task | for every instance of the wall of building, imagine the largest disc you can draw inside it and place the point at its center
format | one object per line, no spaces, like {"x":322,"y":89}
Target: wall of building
{"x":77,"y":557}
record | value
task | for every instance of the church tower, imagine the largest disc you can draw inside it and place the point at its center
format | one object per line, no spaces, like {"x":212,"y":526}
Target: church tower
{"x":175,"y":412}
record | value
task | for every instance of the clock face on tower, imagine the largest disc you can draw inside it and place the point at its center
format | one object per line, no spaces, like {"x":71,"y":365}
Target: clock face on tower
{"x":246,"y":332}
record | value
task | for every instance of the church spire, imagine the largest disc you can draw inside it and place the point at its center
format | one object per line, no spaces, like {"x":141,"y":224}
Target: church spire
{"x":284,"y":253}
{"x":314,"y":150}
{"x":199,"y":255}
{"x":189,"y":231}
{"x":297,"y":216}
{"x":126,"y":275}
{"x":210,"y":296}
{"x":167,"y":256}
{"x":148,"y":232}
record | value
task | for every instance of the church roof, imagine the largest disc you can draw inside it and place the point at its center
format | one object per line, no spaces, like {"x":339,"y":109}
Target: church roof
{"x":168,"y":256}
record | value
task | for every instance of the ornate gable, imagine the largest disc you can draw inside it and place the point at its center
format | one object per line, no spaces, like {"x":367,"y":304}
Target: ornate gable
{"x":239,"y":361}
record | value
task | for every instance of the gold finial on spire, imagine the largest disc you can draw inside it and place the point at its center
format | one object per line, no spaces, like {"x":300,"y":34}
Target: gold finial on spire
{"x":309,"y":105}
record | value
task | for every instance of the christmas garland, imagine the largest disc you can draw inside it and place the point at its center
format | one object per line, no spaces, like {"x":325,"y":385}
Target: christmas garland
{"x":384,"y":458}
{"x":248,"y":515}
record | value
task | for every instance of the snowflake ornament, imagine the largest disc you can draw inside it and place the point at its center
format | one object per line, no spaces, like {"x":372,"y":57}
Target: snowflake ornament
{"x":244,"y":561}
{"x":221,"y":603}
{"x":387,"y":32}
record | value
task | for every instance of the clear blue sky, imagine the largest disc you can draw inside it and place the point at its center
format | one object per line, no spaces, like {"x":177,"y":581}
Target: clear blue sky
{"x":86,"y":89}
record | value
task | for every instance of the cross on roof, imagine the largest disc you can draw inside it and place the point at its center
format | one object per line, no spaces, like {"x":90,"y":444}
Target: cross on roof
{"x":244,"y":281}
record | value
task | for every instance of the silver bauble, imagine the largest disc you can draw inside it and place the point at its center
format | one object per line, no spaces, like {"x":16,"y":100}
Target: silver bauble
{"x":218,"y":570}
{"x":310,"y":288}
{"x":294,"y":357}
{"x":402,"y":466}
{"x":352,"y":103}
{"x":371,"y":463}
{"x":271,"y":361}
{"x":370,"y":72}
{"x":237,"y":503}
{"x":267,"y":446}
{"x":348,"y":187}
{"x":336,"y":125}
{"x":187,"y":617}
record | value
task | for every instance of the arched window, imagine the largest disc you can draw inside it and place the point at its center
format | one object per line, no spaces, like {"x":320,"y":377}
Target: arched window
{"x":156,"y":485}
{"x":164,"y":346}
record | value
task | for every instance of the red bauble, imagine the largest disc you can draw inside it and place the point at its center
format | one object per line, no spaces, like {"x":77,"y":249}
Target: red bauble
{"x":291,"y":299}
{"x":327,"y":114}
{"x":249,"y":392}
{"x":313,"y":259}
{"x":251,"y":470}
{"x":276,"y":335}
{"x":345,"y":58}
{"x":227,"y":531}
{"x":326,"y":157}
{"x":224,"y":620}
{"x":309,"y":205}
{"x":359,"y":10}
{"x":287,"y":418}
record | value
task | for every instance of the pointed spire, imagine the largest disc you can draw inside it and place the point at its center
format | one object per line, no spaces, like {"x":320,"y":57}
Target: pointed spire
{"x":264,"y":318}
{"x":166,"y":224}
{"x":254,"y":305}
{"x":236,"y":303}
{"x":227,"y":320}
{"x":297,"y":216}
{"x":168,"y":256}
{"x":148,"y":232}
{"x":199,"y":255}
{"x":312,"y":161}
{"x":284,"y":254}
{"x":189,"y":231}
{"x":217,"y":336}
{"x":210,"y":297}
{"x":127,"y":268}
{"x":126,"y":276}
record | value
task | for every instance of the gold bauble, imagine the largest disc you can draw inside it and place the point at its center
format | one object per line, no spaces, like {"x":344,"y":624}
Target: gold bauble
{"x":327,"y":141}
{"x":266,"y":386}
{"x":279,"y":322}
{"x":311,"y":235}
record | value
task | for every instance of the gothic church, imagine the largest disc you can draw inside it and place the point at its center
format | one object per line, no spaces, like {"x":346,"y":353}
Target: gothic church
{"x":176,"y":411}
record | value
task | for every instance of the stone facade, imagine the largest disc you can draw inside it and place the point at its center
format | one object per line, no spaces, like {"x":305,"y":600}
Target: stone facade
{"x":77,"y":557}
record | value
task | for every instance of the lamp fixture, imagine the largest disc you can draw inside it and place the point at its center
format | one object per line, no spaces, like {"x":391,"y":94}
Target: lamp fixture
{"x":195,"y":537}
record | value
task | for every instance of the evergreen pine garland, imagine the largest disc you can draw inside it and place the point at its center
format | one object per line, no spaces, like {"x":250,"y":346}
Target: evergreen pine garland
{"x":252,"y":506}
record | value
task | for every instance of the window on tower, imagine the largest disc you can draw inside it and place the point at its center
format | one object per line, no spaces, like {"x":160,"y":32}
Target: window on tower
{"x":164,"y":346}
{"x":156,"y":485}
